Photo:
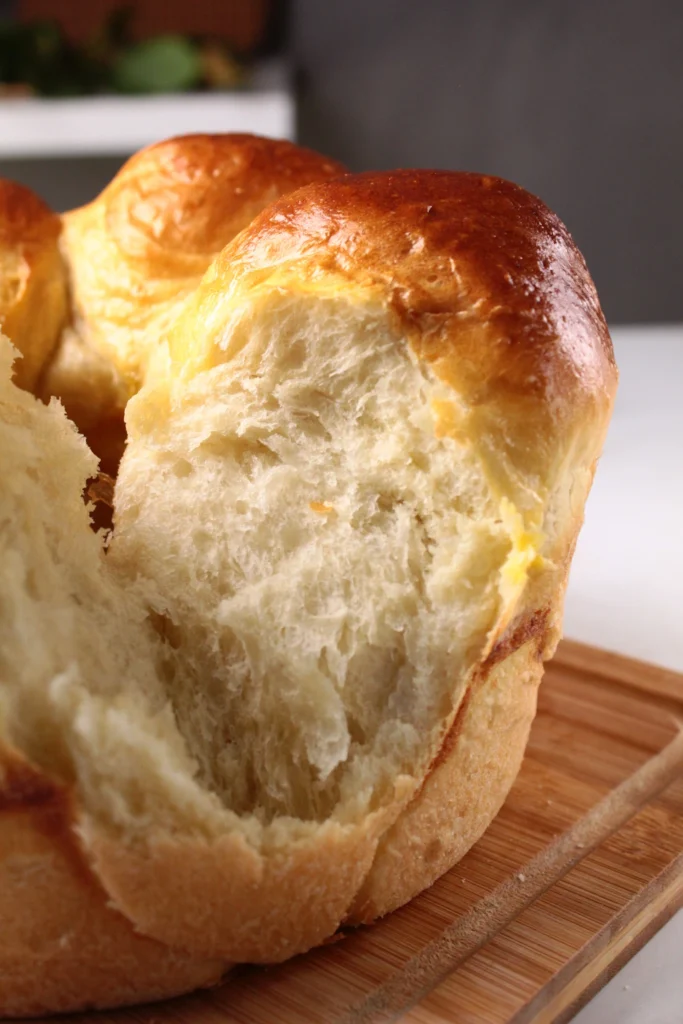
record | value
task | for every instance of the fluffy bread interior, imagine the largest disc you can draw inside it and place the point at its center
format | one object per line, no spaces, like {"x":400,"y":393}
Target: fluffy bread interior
{"x":80,"y":693}
{"x":304,"y":570}
{"x":342,"y":570}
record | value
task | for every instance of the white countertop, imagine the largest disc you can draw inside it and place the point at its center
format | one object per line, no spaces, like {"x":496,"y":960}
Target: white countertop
{"x":626,"y":594}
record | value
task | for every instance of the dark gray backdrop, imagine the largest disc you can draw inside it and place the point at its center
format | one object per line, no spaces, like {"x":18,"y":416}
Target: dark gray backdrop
{"x":581,"y":102}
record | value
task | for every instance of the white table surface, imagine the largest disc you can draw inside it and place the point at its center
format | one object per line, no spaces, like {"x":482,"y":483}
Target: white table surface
{"x":626,"y":594}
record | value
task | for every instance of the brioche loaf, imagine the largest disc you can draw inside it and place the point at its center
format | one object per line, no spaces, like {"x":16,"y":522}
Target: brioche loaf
{"x":298,"y":685}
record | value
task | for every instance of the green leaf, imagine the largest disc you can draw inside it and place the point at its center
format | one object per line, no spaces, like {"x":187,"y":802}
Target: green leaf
{"x":163,"y":64}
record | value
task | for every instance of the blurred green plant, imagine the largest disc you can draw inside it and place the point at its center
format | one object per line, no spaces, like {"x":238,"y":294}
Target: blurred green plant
{"x":38,"y":59}
{"x":162,"y":64}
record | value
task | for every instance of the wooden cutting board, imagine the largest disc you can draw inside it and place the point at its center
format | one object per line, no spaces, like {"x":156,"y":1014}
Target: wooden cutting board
{"x":581,"y":867}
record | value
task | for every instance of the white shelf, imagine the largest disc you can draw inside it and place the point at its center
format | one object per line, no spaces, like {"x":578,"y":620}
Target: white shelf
{"x":120,"y":125}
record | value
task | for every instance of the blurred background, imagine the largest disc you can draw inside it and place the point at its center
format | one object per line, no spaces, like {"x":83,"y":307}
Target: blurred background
{"x":580,"y":101}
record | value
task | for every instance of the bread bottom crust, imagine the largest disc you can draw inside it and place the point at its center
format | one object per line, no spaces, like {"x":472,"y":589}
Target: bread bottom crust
{"x":63,"y":948}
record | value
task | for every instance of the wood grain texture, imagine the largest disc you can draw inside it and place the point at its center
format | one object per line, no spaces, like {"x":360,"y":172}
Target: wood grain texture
{"x":583,"y":864}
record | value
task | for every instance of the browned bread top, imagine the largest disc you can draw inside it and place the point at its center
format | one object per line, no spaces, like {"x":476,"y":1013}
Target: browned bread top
{"x":33,"y":299}
{"x":180,"y":201}
{"x":135,"y":253}
{"x":484,"y":279}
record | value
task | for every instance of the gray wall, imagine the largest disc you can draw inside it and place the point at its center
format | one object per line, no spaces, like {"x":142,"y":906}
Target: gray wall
{"x":581,"y":102}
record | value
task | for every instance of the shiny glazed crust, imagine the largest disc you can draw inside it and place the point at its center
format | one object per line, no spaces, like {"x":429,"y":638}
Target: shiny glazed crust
{"x":136,"y":252}
{"x":148,"y":238}
{"x":486,"y":282}
{"x":33,"y":295}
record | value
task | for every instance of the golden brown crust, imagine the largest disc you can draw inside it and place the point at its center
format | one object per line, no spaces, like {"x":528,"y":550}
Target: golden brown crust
{"x":253,"y":907}
{"x":33,"y":300}
{"x":175,"y":205}
{"x":62,"y":947}
{"x":137,"y":251}
{"x":486,"y":282}
{"x":24,"y":218}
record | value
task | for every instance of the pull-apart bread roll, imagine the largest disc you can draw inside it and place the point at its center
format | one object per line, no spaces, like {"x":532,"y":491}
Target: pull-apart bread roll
{"x":298,"y":685}
{"x":137,"y":251}
{"x":128,"y":261}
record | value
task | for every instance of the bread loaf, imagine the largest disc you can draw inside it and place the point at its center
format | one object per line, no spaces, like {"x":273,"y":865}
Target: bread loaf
{"x":298,"y":684}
